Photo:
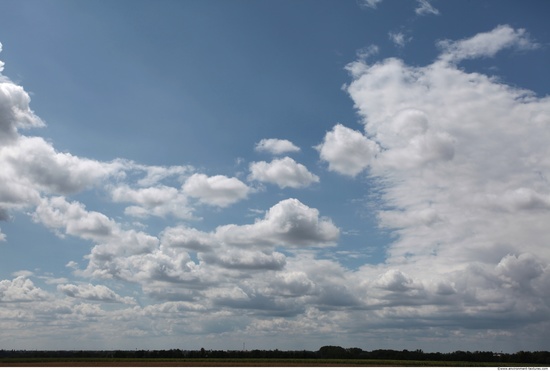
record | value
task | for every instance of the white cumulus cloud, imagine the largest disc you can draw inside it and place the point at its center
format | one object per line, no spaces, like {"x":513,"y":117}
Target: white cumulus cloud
{"x":283,"y":172}
{"x":158,"y":200}
{"x":15,"y":112}
{"x":217,"y":190}
{"x":21,"y":289}
{"x":347,"y":151}
{"x":289,"y":223}
{"x":90,"y":292}
{"x":276,"y":146}
{"x":463,"y":165}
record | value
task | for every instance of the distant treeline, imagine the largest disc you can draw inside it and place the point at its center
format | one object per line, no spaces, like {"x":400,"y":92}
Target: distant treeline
{"x":325,"y":352}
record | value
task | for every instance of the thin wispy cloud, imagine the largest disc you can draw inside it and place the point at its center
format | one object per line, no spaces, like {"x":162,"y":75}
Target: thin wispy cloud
{"x":399,"y":38}
{"x":486,"y":44}
{"x":370,"y":3}
{"x":425,"y":7}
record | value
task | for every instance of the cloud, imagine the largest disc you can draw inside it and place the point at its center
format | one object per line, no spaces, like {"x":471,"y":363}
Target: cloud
{"x":276,"y":146}
{"x":188,"y":238}
{"x":36,"y":161}
{"x":367,"y":52}
{"x":14,"y":111}
{"x":23,"y":273}
{"x":159,"y":201}
{"x":72,"y":218}
{"x":425,"y":8}
{"x":113,"y":241}
{"x":30,"y":165}
{"x":347,"y":151}
{"x":289,"y":223}
{"x":217,"y":190}
{"x":460,"y":161}
{"x":33,"y":169}
{"x":137,"y":257}
{"x":486,"y":44}
{"x":394,"y":280}
{"x":283,"y":172}
{"x":21,"y":289}
{"x":94,"y":293}
{"x":370,"y":3}
{"x":246,"y":260}
{"x":154,"y":174}
{"x":399,"y":38}
{"x":461,"y":168}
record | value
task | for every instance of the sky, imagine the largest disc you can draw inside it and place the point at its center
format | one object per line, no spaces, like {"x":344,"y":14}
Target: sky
{"x":275,"y":174}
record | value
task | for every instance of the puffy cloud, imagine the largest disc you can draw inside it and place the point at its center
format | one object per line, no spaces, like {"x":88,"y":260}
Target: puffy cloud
{"x":31,"y":166}
{"x":424,"y":8}
{"x":14,"y":111}
{"x":137,"y":257}
{"x":35,"y":160}
{"x":394,"y":280}
{"x":188,"y":238}
{"x":283,"y":172}
{"x":73,"y":219}
{"x":159,"y":201}
{"x":486,"y":44}
{"x":245,"y":260}
{"x":21,"y":289}
{"x":292,"y":283}
{"x":463,"y":166}
{"x":217,"y":190}
{"x":114,"y":242}
{"x":107,"y":258}
{"x":94,"y":293}
{"x":276,"y":146}
{"x":289,"y":223}
{"x":237,"y":248}
{"x":347,"y":151}
{"x":519,"y":271}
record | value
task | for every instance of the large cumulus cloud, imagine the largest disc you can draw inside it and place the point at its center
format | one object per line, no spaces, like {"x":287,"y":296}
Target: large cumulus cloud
{"x":463,"y":171}
{"x":284,"y":172}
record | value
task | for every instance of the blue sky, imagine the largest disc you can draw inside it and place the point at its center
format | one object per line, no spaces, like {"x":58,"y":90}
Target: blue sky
{"x":288,"y":174}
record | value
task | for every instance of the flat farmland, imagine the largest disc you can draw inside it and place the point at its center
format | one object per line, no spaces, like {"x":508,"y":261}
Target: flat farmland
{"x":236,"y":362}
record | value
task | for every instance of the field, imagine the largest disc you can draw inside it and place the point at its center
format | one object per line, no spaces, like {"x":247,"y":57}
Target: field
{"x":239,"y":362}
